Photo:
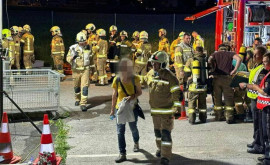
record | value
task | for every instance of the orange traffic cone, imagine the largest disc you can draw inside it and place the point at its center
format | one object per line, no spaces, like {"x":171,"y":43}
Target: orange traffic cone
{"x":46,"y":144}
{"x":6,"y":153}
{"x":183,"y":111}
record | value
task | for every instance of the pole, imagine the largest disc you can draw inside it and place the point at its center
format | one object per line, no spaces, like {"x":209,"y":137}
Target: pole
{"x":115,"y":19}
{"x":1,"y":62}
{"x":173,"y":25}
{"x":52,"y":17}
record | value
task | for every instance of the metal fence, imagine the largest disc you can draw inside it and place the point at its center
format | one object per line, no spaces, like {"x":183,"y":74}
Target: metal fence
{"x":33,"y":90}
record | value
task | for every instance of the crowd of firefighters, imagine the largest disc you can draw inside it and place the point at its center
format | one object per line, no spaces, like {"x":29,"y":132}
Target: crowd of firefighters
{"x":92,"y":57}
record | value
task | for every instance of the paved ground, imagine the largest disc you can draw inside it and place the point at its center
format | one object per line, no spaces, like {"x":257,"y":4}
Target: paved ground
{"x":93,"y":138}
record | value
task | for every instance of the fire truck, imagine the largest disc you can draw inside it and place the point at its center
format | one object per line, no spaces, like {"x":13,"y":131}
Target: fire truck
{"x":239,"y":21}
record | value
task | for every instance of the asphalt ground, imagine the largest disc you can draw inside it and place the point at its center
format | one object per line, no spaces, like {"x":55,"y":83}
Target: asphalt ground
{"x":93,"y":137}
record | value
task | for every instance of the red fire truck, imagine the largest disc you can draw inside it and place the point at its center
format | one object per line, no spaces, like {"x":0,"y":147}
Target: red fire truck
{"x":239,"y":21}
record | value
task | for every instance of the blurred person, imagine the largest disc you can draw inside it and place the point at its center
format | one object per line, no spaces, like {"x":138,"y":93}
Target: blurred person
{"x":17,"y":42}
{"x":100,"y":51}
{"x":142,"y":55}
{"x":57,"y":49}
{"x":163,"y":44}
{"x":255,"y":77}
{"x":126,"y":85}
{"x":164,"y":98}
{"x":28,"y":47}
{"x":79,"y":56}
{"x":198,"y":40}
{"x":223,"y":71}
{"x":263,"y":104}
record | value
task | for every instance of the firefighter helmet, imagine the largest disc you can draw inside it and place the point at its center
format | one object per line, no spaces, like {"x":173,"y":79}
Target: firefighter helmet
{"x":81,"y":37}
{"x":181,"y":34}
{"x":143,"y":35}
{"x":55,"y":30}
{"x":20,"y":29}
{"x":163,"y":31}
{"x":15,"y":29}
{"x":123,"y":33}
{"x":90,"y":27}
{"x":136,"y":34}
{"x":27,"y":28}
{"x":113,"y":28}
{"x":101,"y":32}
{"x":6,"y":33}
{"x":159,"y":56}
{"x":84,"y":31}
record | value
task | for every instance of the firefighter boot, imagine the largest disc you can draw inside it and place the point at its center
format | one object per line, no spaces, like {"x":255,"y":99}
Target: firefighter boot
{"x":219,"y":115}
{"x":229,"y":117}
{"x":192,"y":118}
{"x":203,"y":117}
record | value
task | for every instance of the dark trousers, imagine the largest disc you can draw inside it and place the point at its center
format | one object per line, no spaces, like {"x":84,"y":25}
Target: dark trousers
{"x":257,"y":124}
{"x":266,"y":133}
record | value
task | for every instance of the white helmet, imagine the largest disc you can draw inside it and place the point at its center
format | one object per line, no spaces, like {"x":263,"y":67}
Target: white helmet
{"x":15,"y":29}
{"x":136,"y":34}
{"x":123,"y":33}
{"x":90,"y":27}
{"x":112,"y":28}
{"x":81,"y":37}
{"x":101,"y":32}
{"x":143,"y":35}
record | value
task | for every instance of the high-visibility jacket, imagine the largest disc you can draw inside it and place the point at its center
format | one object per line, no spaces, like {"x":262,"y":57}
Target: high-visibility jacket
{"x":164,"y":45}
{"x":198,"y":41}
{"x":183,"y":52}
{"x":57,"y":46}
{"x":17,"y":41}
{"x":143,"y":53}
{"x":173,"y":46}
{"x":263,"y":101}
{"x":92,"y":39}
{"x":253,"y":76}
{"x":164,"y":91}
{"x":101,"y":49}
{"x":9,"y":46}
{"x":28,"y":41}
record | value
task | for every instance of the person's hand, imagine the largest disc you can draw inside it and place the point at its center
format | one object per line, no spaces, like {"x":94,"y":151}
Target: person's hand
{"x":243,"y":85}
{"x":233,"y":72}
{"x":130,"y":97}
{"x":112,"y":112}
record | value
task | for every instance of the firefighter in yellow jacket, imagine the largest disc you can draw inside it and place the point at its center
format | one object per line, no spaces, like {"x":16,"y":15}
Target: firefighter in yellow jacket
{"x":198,"y":40}
{"x":28,"y":47}
{"x":197,"y":86}
{"x":136,"y":37}
{"x":175,"y":43}
{"x":8,"y":46}
{"x":142,"y":55}
{"x":17,"y":42}
{"x":126,"y":48}
{"x":100,"y":51}
{"x":92,"y":41}
{"x":57,"y":49}
{"x":163,"y":44}
{"x":165,"y":96}
{"x":79,"y":56}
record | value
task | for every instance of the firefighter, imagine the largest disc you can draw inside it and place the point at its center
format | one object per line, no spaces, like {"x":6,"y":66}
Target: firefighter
{"x":250,"y":52}
{"x":136,"y":37}
{"x":112,"y":43}
{"x":8,"y":46}
{"x":165,"y":96}
{"x":222,"y":59}
{"x":57,"y":49}
{"x":142,"y":55}
{"x":175,"y":43}
{"x":20,"y":31}
{"x":198,"y":86}
{"x":198,"y":40}
{"x":163,"y":44}
{"x":101,"y":50}
{"x":125,"y":46}
{"x":79,"y":56}
{"x":28,"y":47}
{"x":92,"y":41}
{"x":17,"y":41}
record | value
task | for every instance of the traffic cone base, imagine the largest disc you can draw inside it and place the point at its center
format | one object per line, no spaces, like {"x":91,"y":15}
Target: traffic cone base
{"x":58,"y":160}
{"x":14,"y":160}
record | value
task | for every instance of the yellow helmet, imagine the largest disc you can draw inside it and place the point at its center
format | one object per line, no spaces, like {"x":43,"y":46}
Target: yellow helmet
{"x":20,"y":29}
{"x":143,"y":35}
{"x":101,"y":32}
{"x":6,"y":33}
{"x":181,"y":34}
{"x":81,"y":37}
{"x":112,"y":28}
{"x":27,"y":28}
{"x":242,"y":49}
{"x":14,"y":29}
{"x":90,"y":27}
{"x":84,"y":31}
{"x":163,"y":31}
{"x":123,"y":33}
{"x":55,"y":30}
{"x":136,"y":34}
